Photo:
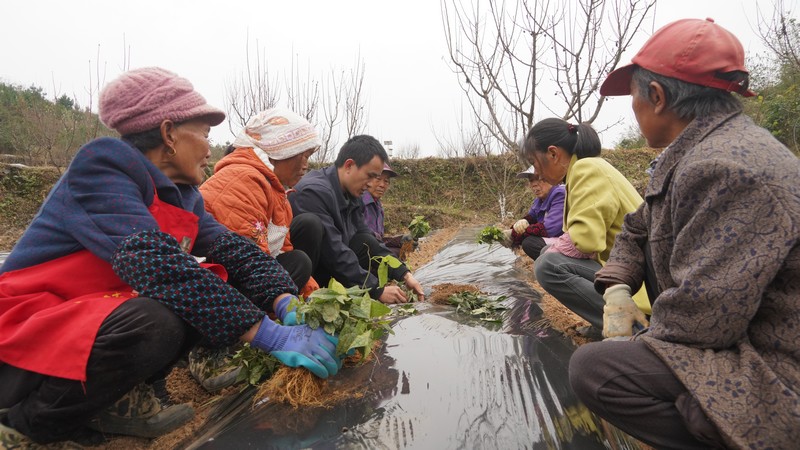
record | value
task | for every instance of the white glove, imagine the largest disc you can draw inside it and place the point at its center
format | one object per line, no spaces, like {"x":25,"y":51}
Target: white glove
{"x":620,"y":312}
{"x":520,"y":226}
{"x":507,"y":241}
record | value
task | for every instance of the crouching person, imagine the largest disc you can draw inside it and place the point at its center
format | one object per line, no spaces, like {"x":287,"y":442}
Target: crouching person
{"x":544,"y":221}
{"x":718,"y":243}
{"x":334,"y":195}
{"x":247,"y":194}
{"x":104,"y":290}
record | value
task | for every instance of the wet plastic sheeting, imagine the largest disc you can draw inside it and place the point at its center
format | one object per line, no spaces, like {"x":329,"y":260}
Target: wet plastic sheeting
{"x":444,"y":381}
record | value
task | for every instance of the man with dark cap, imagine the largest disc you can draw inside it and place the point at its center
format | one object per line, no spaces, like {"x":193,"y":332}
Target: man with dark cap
{"x":374,"y":214}
{"x":717,"y":242}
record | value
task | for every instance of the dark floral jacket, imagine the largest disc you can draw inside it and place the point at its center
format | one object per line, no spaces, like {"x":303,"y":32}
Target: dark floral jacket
{"x":721,"y":219}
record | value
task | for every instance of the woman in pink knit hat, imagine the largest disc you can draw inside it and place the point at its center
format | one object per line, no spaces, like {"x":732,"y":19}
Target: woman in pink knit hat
{"x":123,"y":270}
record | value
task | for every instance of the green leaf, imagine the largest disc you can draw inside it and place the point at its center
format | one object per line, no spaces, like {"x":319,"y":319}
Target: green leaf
{"x":378,"y":309}
{"x":361,"y":307}
{"x":383,"y":275}
{"x":324,"y":294}
{"x":330,"y":312}
{"x":362,"y":340}
{"x":336,"y":286}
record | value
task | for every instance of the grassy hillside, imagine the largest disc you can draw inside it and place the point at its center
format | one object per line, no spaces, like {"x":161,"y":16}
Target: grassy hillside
{"x":447,"y":192}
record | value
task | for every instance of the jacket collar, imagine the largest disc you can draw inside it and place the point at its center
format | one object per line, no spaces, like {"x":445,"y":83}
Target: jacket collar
{"x":343,"y":200}
{"x":696,"y":131}
{"x":367,"y":198}
{"x":549,"y":198}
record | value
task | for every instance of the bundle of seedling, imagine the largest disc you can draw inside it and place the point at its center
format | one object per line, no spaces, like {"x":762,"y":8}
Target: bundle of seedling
{"x":469,"y":299}
{"x":357,"y":320}
{"x":479,"y":305}
{"x":419,"y":227}
{"x":490,"y":234}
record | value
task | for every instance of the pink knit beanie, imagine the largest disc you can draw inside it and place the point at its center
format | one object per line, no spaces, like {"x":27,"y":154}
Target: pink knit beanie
{"x":140,"y":99}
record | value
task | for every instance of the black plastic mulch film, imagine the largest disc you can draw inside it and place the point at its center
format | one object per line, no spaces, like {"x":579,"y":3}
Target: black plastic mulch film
{"x":442,"y":381}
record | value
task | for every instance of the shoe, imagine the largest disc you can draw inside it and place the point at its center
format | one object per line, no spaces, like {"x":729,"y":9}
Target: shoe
{"x":142,"y":413}
{"x":213,"y":368}
{"x":11,"y":439}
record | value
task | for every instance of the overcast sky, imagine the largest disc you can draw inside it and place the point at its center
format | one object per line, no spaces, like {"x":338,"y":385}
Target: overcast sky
{"x":412,"y":94}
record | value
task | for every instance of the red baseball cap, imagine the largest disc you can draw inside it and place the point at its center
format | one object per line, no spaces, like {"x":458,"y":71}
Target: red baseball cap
{"x":690,"y":50}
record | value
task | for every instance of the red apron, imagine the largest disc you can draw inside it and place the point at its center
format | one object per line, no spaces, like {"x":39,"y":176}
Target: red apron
{"x":50,"y":313}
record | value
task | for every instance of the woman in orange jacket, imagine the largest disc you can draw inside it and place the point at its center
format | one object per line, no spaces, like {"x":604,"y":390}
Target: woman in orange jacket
{"x":247,"y":192}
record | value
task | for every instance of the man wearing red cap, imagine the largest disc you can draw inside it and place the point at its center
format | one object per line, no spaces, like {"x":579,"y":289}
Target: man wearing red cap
{"x":717,"y":242}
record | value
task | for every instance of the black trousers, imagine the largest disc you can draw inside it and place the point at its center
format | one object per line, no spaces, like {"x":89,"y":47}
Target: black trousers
{"x":627,"y":384}
{"x":532,"y":246}
{"x":365,"y":246}
{"x":138,"y":341}
{"x":306,"y":234}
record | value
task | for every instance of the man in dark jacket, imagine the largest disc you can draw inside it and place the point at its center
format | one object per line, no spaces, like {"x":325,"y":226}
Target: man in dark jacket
{"x":334,"y":195}
{"x":717,"y":241}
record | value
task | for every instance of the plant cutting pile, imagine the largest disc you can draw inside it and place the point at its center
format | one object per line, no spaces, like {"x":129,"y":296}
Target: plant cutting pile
{"x":349,"y":313}
{"x":469,"y":299}
{"x":490,"y":234}
{"x":479,"y":306}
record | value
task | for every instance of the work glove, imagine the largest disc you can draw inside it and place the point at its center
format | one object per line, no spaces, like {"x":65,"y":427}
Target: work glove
{"x":620,"y":312}
{"x":299,"y":346}
{"x":520,"y":226}
{"x":509,"y":238}
{"x":282,"y":311}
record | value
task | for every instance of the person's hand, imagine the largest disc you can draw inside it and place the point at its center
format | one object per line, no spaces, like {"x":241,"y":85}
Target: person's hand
{"x":282,"y":310}
{"x":509,"y":237}
{"x":393,"y":294}
{"x":406,"y":238}
{"x":620,"y":312}
{"x":520,"y":226}
{"x":299,"y":346}
{"x":413,"y":284}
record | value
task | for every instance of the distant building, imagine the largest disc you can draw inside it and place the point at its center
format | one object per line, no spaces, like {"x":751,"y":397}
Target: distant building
{"x":389,"y":147}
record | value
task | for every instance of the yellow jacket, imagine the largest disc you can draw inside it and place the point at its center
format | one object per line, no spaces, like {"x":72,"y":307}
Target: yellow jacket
{"x":598,"y":197}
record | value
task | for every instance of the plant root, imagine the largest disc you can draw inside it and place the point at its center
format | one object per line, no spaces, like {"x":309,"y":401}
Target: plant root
{"x":295,"y":386}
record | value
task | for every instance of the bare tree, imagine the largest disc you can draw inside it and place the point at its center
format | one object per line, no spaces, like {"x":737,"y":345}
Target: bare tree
{"x":302,"y":92}
{"x":779,"y":33}
{"x":502,"y":52}
{"x":354,"y":111}
{"x":253,"y":92}
{"x":776,"y":75}
{"x":409,"y":151}
{"x":331,"y":116}
{"x":330,"y":103}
